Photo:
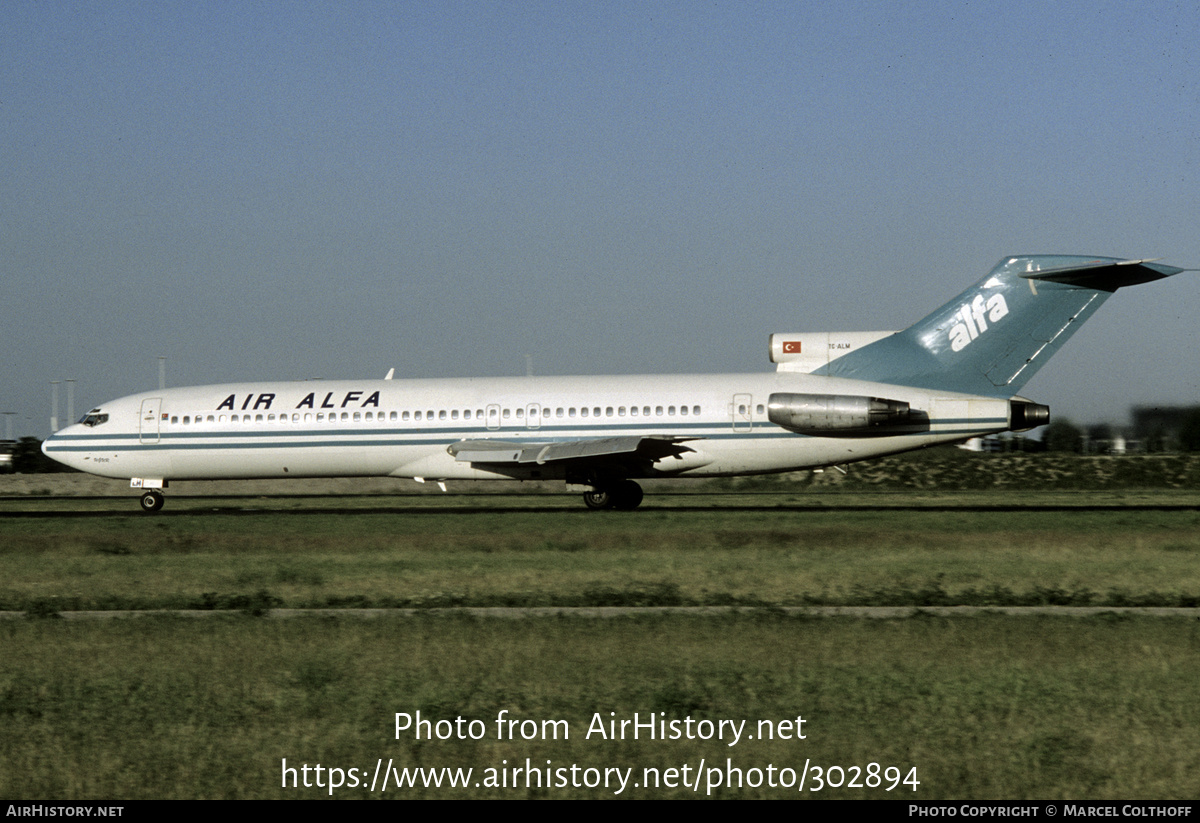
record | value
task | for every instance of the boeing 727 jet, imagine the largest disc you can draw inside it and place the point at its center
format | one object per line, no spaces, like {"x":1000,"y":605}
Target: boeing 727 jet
{"x":835,"y":398}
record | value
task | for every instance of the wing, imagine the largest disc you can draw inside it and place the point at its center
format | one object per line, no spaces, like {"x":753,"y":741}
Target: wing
{"x":594,"y":450}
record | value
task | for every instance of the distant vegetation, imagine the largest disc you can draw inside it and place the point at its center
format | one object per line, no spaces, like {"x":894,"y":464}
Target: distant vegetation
{"x":949,"y":468}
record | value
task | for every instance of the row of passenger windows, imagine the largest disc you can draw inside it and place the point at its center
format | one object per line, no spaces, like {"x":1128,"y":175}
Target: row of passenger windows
{"x":536,"y":415}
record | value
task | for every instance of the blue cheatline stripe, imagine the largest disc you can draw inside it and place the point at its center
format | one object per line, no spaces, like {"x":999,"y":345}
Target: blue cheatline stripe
{"x":320,"y":438}
{"x":457,"y":431}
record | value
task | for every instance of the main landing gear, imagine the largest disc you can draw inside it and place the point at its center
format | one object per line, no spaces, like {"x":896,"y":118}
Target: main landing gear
{"x":152,"y":501}
{"x":622,"y":495}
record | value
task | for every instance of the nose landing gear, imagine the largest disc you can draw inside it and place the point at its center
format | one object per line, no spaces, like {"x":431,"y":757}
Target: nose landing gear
{"x":152,"y":501}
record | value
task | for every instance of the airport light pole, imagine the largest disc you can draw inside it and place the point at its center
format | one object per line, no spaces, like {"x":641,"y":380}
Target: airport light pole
{"x":54,"y":405}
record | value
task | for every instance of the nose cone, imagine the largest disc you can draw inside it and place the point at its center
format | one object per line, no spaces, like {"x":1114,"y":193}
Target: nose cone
{"x":50,"y":444}
{"x":53,"y":447}
{"x":48,"y":447}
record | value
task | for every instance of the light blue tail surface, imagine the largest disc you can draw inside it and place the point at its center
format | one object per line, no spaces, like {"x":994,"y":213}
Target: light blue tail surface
{"x":995,"y":335}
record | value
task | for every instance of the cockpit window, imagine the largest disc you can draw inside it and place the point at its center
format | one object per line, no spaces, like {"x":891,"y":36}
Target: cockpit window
{"x":94,"y":418}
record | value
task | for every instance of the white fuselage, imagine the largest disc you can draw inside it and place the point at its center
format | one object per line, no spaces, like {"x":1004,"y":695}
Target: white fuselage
{"x":402,"y":428}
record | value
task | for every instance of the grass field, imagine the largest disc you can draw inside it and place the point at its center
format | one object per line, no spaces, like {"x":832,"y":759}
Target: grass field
{"x":982,"y":708}
{"x":539,"y":551}
{"x":988,"y":707}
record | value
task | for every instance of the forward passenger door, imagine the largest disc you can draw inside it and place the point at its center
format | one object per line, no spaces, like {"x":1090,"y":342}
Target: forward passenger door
{"x":149,"y":420}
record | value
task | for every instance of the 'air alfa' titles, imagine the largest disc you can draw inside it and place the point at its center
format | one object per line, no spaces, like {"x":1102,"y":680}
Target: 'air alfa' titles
{"x":265,"y":399}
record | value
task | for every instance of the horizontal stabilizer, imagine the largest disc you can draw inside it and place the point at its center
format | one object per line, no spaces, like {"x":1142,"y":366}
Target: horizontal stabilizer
{"x":653,"y":447}
{"x":1104,"y":275}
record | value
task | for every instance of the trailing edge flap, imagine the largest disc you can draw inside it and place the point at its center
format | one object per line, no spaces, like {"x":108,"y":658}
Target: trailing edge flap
{"x":1105,"y":275}
{"x":653,"y":447}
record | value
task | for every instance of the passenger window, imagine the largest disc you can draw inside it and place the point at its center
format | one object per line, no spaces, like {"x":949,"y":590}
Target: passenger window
{"x":357,"y":416}
{"x":621,"y":411}
{"x":454,"y":414}
{"x":174,"y":419}
{"x":608,"y":412}
{"x":442,"y":414}
{"x":671,"y":410}
{"x":506,"y":413}
{"x":683,"y":409}
{"x":658,"y":410}
{"x":558,"y":412}
{"x":695,"y":410}
{"x":571,"y":413}
{"x":583,"y":412}
{"x":633,"y":411}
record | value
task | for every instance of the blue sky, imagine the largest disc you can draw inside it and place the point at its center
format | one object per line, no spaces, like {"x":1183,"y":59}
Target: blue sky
{"x":289,"y":190}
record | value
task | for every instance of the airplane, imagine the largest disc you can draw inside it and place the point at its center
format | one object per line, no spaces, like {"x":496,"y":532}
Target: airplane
{"x":834,"y":398}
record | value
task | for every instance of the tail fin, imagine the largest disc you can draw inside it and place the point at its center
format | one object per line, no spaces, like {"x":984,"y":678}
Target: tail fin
{"x":995,"y":335}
